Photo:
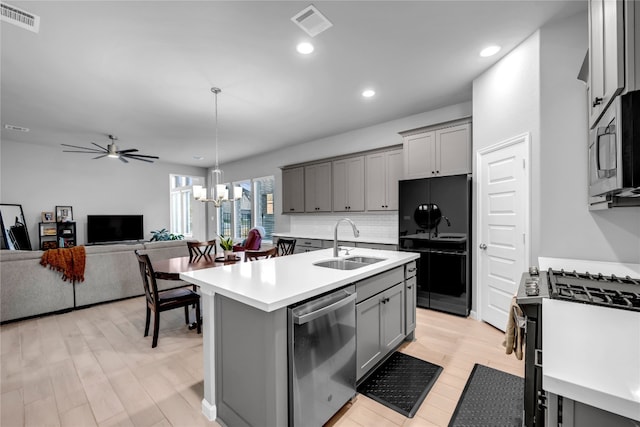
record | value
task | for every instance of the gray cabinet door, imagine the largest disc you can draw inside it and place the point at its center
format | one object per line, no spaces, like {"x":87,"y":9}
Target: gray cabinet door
{"x":392,"y":317}
{"x":453,"y":150}
{"x":317,"y":187}
{"x":368,"y":335}
{"x":293,"y":190}
{"x":411,"y":300}
{"x":348,"y":184}
{"x":606,"y":55}
{"x":384,"y":170}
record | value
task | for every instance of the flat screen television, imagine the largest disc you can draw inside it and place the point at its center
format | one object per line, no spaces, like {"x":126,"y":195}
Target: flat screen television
{"x":114,"y":228}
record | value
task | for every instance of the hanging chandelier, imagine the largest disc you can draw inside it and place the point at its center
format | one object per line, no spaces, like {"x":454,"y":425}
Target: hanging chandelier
{"x":220,"y":191}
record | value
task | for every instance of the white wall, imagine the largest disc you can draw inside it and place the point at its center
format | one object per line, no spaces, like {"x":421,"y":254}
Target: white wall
{"x":535,"y":89}
{"x":506,"y":103}
{"x":381,"y":135}
{"x":567,"y":228}
{"x":41,"y":177}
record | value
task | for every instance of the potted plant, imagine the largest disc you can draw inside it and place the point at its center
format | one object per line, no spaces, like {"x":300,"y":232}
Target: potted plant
{"x":159,"y":235}
{"x":226,"y":243}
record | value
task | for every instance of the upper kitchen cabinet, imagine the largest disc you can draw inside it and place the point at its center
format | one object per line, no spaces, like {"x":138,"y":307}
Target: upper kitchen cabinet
{"x":348,"y":184}
{"x":606,"y":57}
{"x":438,"y":151}
{"x":293,"y":190}
{"x":317,"y":187}
{"x":384,"y":170}
{"x":614,"y":50}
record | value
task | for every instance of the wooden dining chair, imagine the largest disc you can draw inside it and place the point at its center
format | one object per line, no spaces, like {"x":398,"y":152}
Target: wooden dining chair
{"x":159,"y":301}
{"x":195,"y":248}
{"x":286,"y":246}
{"x":260,"y":254}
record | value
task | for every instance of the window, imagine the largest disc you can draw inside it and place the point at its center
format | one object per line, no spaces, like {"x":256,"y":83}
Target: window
{"x":255,"y":207}
{"x":181,"y":204}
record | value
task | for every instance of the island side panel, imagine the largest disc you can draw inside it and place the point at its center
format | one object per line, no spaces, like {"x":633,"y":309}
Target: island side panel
{"x":251,"y":364}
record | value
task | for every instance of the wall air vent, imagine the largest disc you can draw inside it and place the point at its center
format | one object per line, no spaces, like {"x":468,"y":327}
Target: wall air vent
{"x":311,"y":21}
{"x":19,"y":17}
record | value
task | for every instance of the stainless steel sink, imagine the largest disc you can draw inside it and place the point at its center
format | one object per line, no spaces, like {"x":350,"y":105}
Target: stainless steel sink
{"x":349,"y":263}
{"x":364,"y":259}
{"x":340,"y":264}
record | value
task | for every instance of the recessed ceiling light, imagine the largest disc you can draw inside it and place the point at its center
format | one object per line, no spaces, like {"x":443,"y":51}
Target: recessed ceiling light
{"x":368,"y":93}
{"x":490,"y":51}
{"x":304,"y":48}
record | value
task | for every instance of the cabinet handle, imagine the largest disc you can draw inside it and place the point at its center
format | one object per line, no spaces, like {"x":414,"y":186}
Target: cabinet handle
{"x":409,"y":286}
{"x":597,"y":101}
{"x":437,"y":172}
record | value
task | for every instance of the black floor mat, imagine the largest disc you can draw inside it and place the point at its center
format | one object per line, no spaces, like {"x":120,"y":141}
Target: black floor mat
{"x":490,"y":398}
{"x":401,"y":383}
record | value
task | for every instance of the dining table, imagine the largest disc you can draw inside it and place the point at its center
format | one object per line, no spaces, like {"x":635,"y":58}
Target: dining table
{"x":170,"y":268}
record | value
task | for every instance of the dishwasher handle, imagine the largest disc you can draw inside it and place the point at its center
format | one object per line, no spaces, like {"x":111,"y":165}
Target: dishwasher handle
{"x":308,"y":317}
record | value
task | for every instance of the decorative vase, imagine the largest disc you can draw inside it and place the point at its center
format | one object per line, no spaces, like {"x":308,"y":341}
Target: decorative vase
{"x":228,"y":255}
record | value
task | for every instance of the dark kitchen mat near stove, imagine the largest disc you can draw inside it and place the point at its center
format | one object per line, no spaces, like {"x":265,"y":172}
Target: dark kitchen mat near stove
{"x":401,"y":383}
{"x":490,"y":398}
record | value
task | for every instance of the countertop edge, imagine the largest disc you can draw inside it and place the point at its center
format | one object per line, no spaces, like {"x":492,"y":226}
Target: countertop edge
{"x":351,"y":276}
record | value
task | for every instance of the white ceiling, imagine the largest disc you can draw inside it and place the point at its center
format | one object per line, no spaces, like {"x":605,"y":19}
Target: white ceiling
{"x":143,"y":70}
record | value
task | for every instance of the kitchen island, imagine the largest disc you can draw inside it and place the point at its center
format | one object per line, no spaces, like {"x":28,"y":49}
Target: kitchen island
{"x":245,"y":325}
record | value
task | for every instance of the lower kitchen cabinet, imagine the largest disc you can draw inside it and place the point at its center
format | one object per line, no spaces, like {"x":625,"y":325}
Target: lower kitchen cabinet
{"x":411,"y":301}
{"x":380,"y":327}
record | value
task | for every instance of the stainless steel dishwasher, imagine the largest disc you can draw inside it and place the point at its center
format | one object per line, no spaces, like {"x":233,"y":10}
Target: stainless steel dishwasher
{"x":322,"y":356}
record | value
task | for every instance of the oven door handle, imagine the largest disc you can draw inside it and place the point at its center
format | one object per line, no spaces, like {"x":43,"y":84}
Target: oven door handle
{"x":537,"y":358}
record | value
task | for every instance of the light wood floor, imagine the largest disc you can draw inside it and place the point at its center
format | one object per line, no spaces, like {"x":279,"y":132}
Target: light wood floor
{"x":93,"y":367}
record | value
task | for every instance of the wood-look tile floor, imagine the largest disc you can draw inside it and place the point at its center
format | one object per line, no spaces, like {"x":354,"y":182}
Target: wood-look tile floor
{"x":93,"y":367}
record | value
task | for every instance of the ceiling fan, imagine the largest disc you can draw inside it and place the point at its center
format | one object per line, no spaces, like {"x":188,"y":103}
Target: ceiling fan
{"x":111,"y":151}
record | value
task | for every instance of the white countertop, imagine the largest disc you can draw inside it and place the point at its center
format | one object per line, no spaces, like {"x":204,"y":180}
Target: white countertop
{"x":348,"y":238}
{"x":591,"y":354}
{"x":275,"y":283}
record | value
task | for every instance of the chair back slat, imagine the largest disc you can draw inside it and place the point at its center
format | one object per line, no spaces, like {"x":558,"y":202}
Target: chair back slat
{"x":260,"y":254}
{"x":195,"y":250}
{"x":148,"y":278}
{"x":286,"y":246}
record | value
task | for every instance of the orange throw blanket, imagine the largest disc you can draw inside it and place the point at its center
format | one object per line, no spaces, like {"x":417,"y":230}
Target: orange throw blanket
{"x":70,"y":261}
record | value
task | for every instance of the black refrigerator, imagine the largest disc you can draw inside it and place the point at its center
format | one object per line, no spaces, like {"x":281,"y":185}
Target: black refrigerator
{"x":435,"y":221}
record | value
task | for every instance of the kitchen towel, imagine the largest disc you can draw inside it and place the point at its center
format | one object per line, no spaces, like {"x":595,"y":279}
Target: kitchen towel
{"x":514,"y":333}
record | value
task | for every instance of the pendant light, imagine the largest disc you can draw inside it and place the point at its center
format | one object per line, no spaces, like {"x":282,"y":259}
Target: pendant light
{"x":220,"y":191}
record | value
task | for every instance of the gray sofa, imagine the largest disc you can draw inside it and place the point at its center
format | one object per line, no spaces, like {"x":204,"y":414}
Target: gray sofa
{"x":111,"y":273}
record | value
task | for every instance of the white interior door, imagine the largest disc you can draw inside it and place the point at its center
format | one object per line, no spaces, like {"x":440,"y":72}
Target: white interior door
{"x":503,"y":218}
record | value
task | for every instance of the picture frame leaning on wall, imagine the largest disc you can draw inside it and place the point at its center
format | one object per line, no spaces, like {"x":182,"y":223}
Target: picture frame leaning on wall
{"x":64,"y":213}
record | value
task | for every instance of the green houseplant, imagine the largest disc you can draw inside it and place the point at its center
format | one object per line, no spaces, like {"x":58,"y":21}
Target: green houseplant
{"x":226,"y":243}
{"x":159,"y":235}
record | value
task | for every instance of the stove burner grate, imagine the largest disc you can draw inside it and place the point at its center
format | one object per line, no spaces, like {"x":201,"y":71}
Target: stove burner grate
{"x":610,"y":291}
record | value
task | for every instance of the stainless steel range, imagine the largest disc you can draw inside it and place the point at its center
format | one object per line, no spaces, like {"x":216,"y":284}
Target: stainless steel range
{"x":580,"y":322}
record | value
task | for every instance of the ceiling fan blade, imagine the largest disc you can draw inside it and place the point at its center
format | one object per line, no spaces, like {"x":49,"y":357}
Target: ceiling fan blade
{"x":123,"y":159}
{"x":136,"y":158}
{"x":142,"y":155}
{"x":99,"y":157}
{"x":99,"y":146}
{"x":84,"y":148}
{"x":86,"y":152}
{"x":130,"y":150}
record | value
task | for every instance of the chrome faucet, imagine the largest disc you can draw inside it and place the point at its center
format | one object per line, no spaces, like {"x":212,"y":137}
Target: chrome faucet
{"x":356,"y":233}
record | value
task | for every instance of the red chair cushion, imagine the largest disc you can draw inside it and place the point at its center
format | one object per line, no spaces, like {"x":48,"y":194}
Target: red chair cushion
{"x":251,"y":243}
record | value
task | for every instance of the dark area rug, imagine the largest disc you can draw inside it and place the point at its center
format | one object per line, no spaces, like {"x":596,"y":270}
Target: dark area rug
{"x":401,"y":383}
{"x":490,"y":398}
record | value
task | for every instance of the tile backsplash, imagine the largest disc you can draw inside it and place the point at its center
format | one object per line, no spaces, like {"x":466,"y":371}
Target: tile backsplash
{"x":371,"y":225}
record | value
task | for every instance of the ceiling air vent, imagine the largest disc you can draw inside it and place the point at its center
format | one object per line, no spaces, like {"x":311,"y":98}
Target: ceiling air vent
{"x":16,"y":128}
{"x":19,"y":17}
{"x":312,"y":21}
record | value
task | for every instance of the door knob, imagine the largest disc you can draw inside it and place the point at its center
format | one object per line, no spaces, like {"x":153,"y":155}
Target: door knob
{"x":483,"y":246}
